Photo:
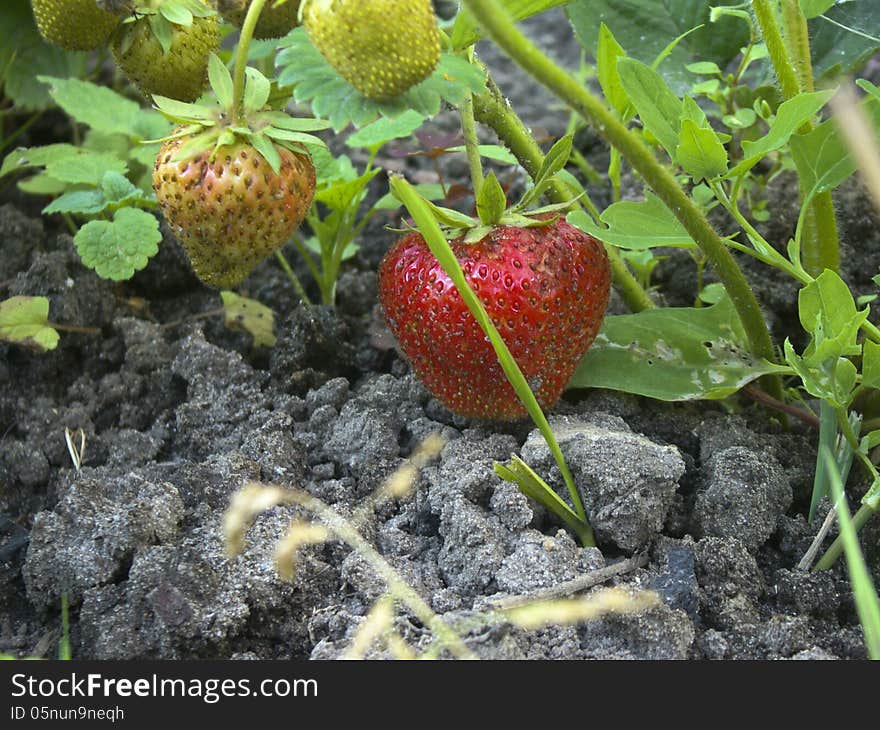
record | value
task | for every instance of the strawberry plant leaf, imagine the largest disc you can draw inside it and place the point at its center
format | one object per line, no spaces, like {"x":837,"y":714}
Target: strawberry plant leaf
{"x":116,"y":249}
{"x":241,"y":313}
{"x":331,"y":97}
{"x":104,"y":110}
{"x":699,"y":152}
{"x":554,"y":161}
{"x":162,"y":29}
{"x":657,"y":107}
{"x":176,"y":13}
{"x":636,"y":225}
{"x":82,"y":202}
{"x":827,"y":311}
{"x":383,"y":130}
{"x":220,"y":80}
{"x":24,"y":321}
{"x":672,"y":354}
{"x":341,"y":195}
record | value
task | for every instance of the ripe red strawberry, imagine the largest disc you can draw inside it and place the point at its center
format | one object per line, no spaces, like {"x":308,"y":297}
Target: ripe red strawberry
{"x":166,"y":57}
{"x":381,"y":47}
{"x":275,"y":21}
{"x":231,"y":213}
{"x":75,"y":25}
{"x":545,"y":289}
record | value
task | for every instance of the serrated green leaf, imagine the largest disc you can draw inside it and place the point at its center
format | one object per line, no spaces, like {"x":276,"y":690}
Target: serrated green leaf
{"x":42,"y":184}
{"x":491,"y":200}
{"x":789,"y":117}
{"x":636,"y":225}
{"x":23,"y":158}
{"x":256,"y":90}
{"x":672,"y":354}
{"x":657,"y":107}
{"x":118,"y":188}
{"x":241,"y":313}
{"x":830,"y":380}
{"x":86,"y":168}
{"x":341,"y":195}
{"x":333,"y":98}
{"x":384,"y":130}
{"x":607,"y":53}
{"x":99,"y":107}
{"x":24,"y":321}
{"x":116,"y":249}
{"x":81,"y":202}
{"x":699,"y":152}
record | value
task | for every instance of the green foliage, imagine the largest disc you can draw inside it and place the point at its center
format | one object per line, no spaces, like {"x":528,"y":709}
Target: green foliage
{"x":672,"y":354}
{"x":25,"y":321}
{"x":117,"y":248}
{"x":24,"y":56}
{"x":636,"y":225}
{"x":249,"y":315}
{"x":332,"y":97}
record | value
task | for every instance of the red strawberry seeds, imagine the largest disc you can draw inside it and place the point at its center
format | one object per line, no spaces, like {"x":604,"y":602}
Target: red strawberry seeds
{"x":545,"y":288}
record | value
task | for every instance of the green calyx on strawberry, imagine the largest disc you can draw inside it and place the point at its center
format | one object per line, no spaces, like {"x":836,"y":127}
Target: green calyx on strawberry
{"x":381,"y":47}
{"x":75,"y":25}
{"x":544,"y":284}
{"x":234,"y":184}
{"x":164,"y":46}
{"x":275,"y":20}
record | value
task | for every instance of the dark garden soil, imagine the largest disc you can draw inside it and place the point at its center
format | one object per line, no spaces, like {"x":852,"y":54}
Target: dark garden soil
{"x":179,"y":413}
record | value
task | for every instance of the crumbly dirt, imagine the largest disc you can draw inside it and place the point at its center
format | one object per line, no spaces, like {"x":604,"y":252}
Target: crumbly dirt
{"x":180,"y":412}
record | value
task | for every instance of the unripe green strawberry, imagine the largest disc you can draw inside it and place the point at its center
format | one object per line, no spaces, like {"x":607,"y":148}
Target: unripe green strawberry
{"x":75,"y":25}
{"x":181,"y":72}
{"x":545,"y":288}
{"x":274,"y":21}
{"x":231,"y":212}
{"x":381,"y":47}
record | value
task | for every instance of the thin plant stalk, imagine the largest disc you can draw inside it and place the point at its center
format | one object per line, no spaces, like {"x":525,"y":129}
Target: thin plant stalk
{"x":241,"y":55}
{"x":294,"y":279}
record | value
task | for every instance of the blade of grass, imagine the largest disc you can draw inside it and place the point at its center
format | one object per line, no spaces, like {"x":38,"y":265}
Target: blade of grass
{"x":864,"y":593}
{"x":430,"y":229}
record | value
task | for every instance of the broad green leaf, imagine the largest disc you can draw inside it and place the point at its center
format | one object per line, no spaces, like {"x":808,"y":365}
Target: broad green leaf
{"x":176,"y":13}
{"x":635,"y":225}
{"x":700,"y":153}
{"x":789,"y":117}
{"x":704,"y":68}
{"x":116,"y":249}
{"x":465,"y":31}
{"x":383,"y":130}
{"x":86,"y":168}
{"x":117,"y":188}
{"x":645,"y":27}
{"x":657,"y":107}
{"x":822,"y":157}
{"x":24,"y":321}
{"x":844,"y":37}
{"x":827,"y":311}
{"x":607,"y":53}
{"x":812,"y":8}
{"x":23,"y":158}
{"x":672,"y":354}
{"x":830,"y":380}
{"x":241,"y":313}
{"x":333,"y":98}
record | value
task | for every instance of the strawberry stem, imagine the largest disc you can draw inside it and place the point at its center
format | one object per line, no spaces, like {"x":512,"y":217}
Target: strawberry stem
{"x":471,"y":144}
{"x":241,"y":57}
